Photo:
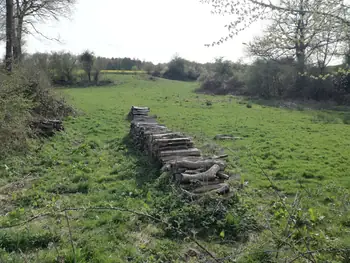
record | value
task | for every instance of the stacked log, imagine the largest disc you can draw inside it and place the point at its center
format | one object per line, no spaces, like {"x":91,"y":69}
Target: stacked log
{"x":47,"y":127}
{"x":138,"y":112}
{"x":178,"y":155}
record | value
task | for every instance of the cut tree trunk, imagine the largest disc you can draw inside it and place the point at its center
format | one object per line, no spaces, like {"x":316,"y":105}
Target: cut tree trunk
{"x":197,"y":164}
{"x":209,"y":175}
{"x":208,"y":188}
{"x":223,"y":176}
{"x":189,"y":152}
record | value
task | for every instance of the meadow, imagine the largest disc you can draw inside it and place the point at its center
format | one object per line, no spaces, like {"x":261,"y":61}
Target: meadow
{"x":75,"y":196}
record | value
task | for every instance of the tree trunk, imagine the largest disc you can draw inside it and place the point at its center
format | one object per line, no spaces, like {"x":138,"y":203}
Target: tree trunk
{"x":301,"y":79}
{"x":96,"y":76}
{"x":89,"y":76}
{"x":18,"y":54}
{"x":300,"y":51}
{"x":9,"y":26}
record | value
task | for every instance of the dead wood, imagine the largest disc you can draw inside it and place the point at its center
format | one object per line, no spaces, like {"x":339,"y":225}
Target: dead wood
{"x":223,"y":176}
{"x":205,"y":176}
{"x":209,"y":188}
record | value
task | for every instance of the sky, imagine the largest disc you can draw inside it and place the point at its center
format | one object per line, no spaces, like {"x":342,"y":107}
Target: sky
{"x":152,"y":30}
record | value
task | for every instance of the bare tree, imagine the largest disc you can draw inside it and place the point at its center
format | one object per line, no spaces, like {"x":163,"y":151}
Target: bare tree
{"x":9,"y":25}
{"x":246,"y":12}
{"x":28,"y":13}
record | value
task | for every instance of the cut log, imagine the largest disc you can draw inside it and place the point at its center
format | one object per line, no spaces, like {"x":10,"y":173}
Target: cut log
{"x":172,"y":141}
{"x":168,"y":135}
{"x":197,"y":184}
{"x":138,"y":118}
{"x":196,"y":164}
{"x":46,"y":127}
{"x":223,"y":176}
{"x":223,"y":190}
{"x":173,"y":147}
{"x":226,"y":137}
{"x":220,"y":156}
{"x":139,"y":108}
{"x":189,"y":152}
{"x":165,"y":168}
{"x":209,"y":175}
{"x":220,"y":188}
{"x":194,"y":171}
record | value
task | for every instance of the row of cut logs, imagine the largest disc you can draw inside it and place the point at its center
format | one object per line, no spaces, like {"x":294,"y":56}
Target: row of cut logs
{"x":178,"y":154}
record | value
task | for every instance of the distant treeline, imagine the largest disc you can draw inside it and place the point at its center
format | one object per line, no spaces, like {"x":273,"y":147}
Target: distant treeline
{"x":263,"y":78}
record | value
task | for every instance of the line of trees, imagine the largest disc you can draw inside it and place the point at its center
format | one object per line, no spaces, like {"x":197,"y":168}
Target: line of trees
{"x":293,"y":55}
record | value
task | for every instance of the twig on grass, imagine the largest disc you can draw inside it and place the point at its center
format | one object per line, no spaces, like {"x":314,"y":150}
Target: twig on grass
{"x":70,"y":236}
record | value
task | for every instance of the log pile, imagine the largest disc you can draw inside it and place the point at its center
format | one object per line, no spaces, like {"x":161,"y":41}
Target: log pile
{"x":178,"y":155}
{"x":47,"y":127}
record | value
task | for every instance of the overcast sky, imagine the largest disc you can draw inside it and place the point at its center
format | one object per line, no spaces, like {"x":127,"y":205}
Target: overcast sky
{"x":152,"y":30}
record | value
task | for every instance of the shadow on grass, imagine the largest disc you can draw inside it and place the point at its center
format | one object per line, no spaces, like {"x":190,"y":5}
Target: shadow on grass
{"x":147,"y":169}
{"x":299,"y":105}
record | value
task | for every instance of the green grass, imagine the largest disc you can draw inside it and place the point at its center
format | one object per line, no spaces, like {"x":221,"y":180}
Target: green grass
{"x":92,"y":164}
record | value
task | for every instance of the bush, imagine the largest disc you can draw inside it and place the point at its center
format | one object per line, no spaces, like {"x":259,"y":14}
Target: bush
{"x":231,"y":221}
{"x":180,"y":69}
{"x":14,"y":116}
{"x":268,"y":79}
{"x":25,"y":96}
{"x":346,"y":118}
{"x":176,"y":69}
{"x":223,"y":80}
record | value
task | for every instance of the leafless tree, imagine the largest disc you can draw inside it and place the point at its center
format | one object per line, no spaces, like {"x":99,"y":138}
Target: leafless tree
{"x":28,"y":13}
{"x":246,"y":12}
{"x":9,"y":24}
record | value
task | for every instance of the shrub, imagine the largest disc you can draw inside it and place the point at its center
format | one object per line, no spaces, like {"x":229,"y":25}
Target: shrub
{"x":176,"y":69}
{"x":223,"y":79}
{"x":210,"y":85}
{"x":346,"y":118}
{"x":231,"y":221}
{"x":269,"y":79}
{"x":25,"y":96}
{"x":14,"y":116}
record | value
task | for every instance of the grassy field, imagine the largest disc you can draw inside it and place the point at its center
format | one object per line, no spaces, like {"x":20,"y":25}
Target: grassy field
{"x":280,"y":153}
